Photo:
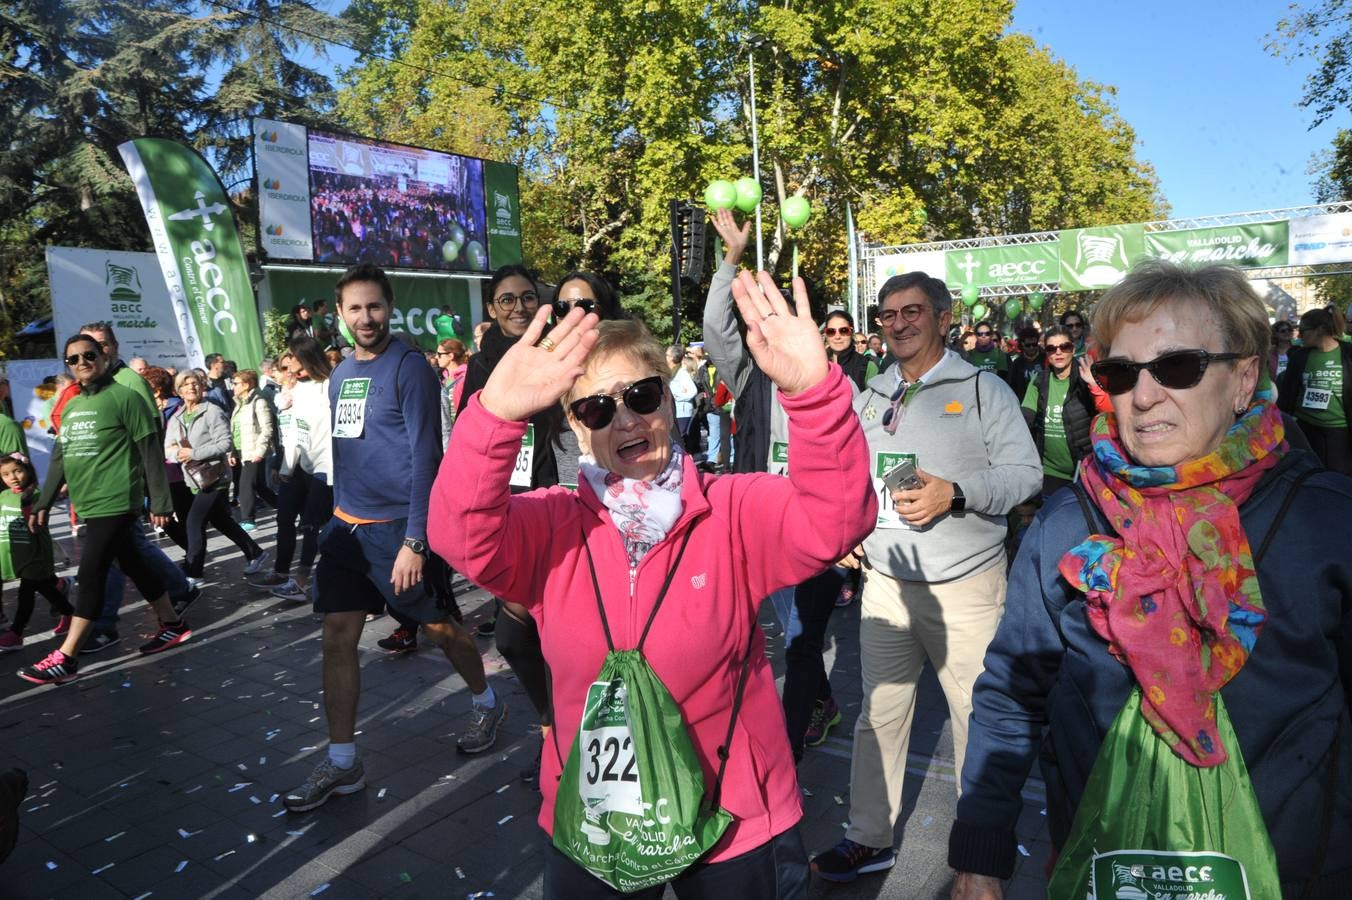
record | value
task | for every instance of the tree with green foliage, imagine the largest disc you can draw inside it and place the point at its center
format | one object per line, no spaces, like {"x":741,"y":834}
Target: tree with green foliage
{"x":930,"y":120}
{"x":81,"y":77}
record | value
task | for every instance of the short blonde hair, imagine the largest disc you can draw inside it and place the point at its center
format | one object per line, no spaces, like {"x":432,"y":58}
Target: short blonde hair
{"x":1240,"y":316}
{"x":630,"y":338}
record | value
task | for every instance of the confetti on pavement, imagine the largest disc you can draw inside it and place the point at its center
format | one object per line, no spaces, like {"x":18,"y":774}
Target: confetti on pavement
{"x":187,"y":834}
{"x":102,"y":868}
{"x":180,"y":867}
{"x":505,"y":819}
{"x":1024,"y":850}
{"x":319,"y":890}
{"x":50,"y":865}
{"x":459,"y":873}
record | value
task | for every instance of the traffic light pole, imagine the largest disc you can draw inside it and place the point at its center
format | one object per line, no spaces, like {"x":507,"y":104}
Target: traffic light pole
{"x":674,"y":207}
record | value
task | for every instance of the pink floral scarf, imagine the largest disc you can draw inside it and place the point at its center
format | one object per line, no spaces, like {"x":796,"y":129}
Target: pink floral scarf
{"x":643,"y":511}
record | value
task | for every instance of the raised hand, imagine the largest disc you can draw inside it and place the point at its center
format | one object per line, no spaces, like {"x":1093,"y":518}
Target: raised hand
{"x":538,"y":371}
{"x":734,"y":238}
{"x":782,"y":338}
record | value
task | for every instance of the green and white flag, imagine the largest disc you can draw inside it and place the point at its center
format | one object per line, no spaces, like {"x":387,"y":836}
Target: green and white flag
{"x":198,"y":249}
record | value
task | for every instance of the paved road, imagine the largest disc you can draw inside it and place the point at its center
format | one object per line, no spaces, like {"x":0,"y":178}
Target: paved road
{"x":160,"y":777}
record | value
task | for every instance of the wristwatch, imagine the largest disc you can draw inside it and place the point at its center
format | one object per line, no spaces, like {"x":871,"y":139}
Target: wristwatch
{"x":959,"y":501}
{"x":417,"y":546}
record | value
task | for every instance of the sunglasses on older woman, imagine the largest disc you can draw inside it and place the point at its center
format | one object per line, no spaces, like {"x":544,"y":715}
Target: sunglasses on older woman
{"x":1177,"y":370}
{"x":598,"y":410}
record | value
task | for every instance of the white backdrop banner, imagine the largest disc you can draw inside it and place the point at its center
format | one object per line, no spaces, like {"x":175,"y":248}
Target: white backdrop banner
{"x":1321,"y":239}
{"x":124,"y":288}
{"x":931,"y":262}
{"x":281,"y":159}
{"x":33,"y":397}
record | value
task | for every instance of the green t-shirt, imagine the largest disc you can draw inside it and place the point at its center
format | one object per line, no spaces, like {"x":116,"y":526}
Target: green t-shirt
{"x":99,"y":434}
{"x":992,"y":360}
{"x":23,"y":554}
{"x":12,"y":438}
{"x":1321,"y":400}
{"x":1056,"y":459}
{"x":139,"y":386}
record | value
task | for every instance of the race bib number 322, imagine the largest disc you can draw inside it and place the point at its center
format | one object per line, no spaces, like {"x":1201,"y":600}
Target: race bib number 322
{"x":349,"y":418}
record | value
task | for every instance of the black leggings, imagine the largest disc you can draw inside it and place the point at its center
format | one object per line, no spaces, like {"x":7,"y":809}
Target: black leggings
{"x":309,"y":498}
{"x":519,"y":644}
{"x":29,"y":588}
{"x":1331,"y":445}
{"x":209,"y":506}
{"x":177,"y":529}
{"x":251,"y":482}
{"x":805,"y":680}
{"x":108,"y":539}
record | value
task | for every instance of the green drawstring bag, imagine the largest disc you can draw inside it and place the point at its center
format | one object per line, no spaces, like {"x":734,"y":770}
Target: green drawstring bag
{"x":631,"y":806}
{"x":1151,"y":826}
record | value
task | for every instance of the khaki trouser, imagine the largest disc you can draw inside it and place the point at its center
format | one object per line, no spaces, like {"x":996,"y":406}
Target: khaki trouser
{"x":901,"y":624}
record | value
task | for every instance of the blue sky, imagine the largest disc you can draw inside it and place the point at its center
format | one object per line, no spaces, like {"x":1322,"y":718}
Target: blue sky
{"x":1214,"y":112}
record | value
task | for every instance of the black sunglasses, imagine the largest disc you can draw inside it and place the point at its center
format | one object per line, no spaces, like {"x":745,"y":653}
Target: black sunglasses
{"x":1178,"y":370}
{"x":88,"y":356}
{"x":643,"y":397}
{"x":562,"y":307}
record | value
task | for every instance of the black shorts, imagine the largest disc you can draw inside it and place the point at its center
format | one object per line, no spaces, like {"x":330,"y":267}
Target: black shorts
{"x":353,"y":573}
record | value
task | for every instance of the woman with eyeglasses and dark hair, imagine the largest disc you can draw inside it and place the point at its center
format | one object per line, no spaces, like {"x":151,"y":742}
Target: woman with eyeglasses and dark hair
{"x":1316,"y":388}
{"x":1059,"y":409}
{"x":839,"y":334}
{"x":651,"y":555}
{"x":1074,"y":322}
{"x":513,"y":302}
{"x":1198,"y":545}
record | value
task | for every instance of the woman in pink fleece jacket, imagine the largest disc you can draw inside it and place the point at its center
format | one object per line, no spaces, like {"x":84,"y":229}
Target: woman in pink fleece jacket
{"x":638,"y":497}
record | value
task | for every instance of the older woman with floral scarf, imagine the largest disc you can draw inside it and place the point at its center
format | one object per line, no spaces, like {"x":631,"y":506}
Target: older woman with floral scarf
{"x":1194,"y":590}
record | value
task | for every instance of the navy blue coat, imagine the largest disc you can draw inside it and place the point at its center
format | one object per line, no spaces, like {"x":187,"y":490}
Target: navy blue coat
{"x":1051,"y":690}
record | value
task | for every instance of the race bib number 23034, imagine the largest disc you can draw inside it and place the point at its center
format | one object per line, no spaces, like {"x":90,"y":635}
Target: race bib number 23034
{"x":349,"y":417}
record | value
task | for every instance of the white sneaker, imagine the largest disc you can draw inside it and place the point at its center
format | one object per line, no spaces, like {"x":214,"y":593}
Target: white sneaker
{"x":256,"y":565}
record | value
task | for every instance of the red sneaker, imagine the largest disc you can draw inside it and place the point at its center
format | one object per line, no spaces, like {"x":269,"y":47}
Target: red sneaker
{"x":62,"y":626}
{"x":10,"y":641}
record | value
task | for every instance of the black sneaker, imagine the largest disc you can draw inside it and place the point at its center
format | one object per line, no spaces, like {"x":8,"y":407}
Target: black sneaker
{"x":848,"y":860}
{"x":56,"y":668}
{"x":487,"y":629}
{"x":403,"y":640}
{"x":531,"y":774}
{"x":182,"y":606}
{"x":168,"y":636}
{"x":100,"y":641}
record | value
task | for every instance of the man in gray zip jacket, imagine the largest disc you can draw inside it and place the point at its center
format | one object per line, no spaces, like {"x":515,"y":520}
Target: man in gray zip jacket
{"x":934,"y":578}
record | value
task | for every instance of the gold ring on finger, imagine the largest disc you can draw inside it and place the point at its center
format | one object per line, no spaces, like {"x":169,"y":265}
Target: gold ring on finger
{"x":547,"y":344}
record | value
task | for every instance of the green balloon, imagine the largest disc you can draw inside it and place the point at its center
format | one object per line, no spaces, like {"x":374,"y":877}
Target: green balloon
{"x":450,"y":250}
{"x":748,"y":194}
{"x":346,"y":332}
{"x":1035,"y":300}
{"x":921,"y":217}
{"x":477,"y":256}
{"x":457,"y":234}
{"x":1012,"y":308}
{"x":970,"y":294}
{"x":720,"y":194}
{"x":979,"y":312}
{"x":445,"y":327}
{"x":796,"y":211}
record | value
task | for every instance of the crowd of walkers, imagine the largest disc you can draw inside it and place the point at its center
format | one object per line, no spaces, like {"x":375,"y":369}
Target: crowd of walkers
{"x":1116,"y":543}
